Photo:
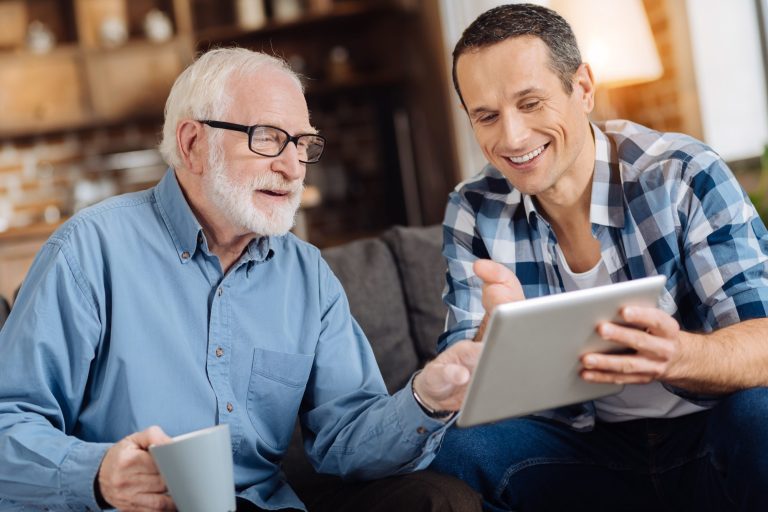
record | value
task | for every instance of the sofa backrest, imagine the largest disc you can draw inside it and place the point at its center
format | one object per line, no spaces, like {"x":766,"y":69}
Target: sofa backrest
{"x":394,"y":286}
{"x":368,"y":272}
{"x":418,"y":251}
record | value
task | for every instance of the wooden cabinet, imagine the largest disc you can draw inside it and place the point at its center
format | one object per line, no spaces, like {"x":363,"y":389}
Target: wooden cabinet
{"x":134,"y":80}
{"x":103,"y":67}
{"x":41,"y":92}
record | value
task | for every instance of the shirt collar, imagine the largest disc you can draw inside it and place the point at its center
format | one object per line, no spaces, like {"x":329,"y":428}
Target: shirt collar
{"x":181,"y":223}
{"x":607,"y":208}
{"x":186,"y":232}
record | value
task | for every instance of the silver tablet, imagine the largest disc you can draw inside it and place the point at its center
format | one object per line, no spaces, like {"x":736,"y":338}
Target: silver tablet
{"x":530,"y":358}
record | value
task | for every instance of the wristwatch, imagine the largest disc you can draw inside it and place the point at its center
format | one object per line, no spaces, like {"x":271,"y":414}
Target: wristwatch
{"x":432,"y":413}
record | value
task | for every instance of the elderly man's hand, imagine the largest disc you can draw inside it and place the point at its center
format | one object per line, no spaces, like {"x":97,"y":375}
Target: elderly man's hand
{"x":443,"y":382}
{"x":128,"y":478}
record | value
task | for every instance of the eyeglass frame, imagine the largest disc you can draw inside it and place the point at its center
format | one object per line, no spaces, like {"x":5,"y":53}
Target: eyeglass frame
{"x":250,"y":129}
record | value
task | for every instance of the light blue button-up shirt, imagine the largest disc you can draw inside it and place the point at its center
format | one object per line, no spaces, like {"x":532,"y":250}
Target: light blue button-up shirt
{"x":126,"y":320}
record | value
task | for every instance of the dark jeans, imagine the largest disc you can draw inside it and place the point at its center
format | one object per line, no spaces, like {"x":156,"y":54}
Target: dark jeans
{"x":423,"y":491}
{"x":713,"y":460}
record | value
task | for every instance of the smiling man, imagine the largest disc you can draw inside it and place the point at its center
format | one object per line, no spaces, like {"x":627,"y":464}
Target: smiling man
{"x":566,"y":204}
{"x":190,"y":304}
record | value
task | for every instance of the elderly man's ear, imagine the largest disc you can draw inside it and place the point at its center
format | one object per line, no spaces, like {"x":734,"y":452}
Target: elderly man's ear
{"x":193,"y":145}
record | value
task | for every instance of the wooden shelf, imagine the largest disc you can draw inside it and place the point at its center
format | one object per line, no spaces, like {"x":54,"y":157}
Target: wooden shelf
{"x":224,"y":34}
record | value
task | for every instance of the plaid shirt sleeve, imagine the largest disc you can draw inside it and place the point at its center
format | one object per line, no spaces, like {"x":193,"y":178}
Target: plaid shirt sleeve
{"x":463,"y":291}
{"x":724,"y":243}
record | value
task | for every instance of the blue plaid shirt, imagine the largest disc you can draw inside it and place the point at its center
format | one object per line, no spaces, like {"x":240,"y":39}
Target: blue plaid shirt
{"x":662,"y":203}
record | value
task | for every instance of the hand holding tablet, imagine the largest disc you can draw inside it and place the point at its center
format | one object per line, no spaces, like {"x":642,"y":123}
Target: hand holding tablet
{"x":532,"y":349}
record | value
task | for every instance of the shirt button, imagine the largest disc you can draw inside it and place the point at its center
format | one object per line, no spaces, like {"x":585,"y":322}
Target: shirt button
{"x":230,"y":407}
{"x":219,"y":351}
{"x":421,"y":430}
{"x":185,"y":255}
{"x":220,"y":291}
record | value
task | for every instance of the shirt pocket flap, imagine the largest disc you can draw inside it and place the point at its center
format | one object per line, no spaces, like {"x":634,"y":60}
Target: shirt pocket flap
{"x":285,"y":368}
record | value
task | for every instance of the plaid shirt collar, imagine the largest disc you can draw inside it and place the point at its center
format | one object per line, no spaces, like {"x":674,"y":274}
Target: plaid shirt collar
{"x":607,"y":207}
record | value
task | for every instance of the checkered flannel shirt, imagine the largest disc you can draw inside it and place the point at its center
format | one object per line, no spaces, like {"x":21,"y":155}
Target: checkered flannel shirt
{"x":662,"y":203}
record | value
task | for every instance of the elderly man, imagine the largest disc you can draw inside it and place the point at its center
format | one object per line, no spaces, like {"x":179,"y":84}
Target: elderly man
{"x":165,"y":311}
{"x":565,"y":205}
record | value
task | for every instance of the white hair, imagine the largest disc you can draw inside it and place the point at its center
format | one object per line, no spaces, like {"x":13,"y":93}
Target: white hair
{"x":202,"y":91}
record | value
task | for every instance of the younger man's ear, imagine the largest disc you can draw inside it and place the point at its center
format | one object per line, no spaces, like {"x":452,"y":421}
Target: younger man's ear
{"x":584,"y":86}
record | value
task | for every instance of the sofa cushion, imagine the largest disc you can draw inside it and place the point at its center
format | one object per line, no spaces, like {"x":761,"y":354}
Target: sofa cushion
{"x":418,"y":251}
{"x":367,"y":271}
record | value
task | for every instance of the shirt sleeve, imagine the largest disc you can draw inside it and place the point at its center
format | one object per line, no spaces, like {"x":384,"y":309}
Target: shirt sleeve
{"x":351,"y":426}
{"x":462,"y":246}
{"x":48,"y":344}
{"x":724,"y":244}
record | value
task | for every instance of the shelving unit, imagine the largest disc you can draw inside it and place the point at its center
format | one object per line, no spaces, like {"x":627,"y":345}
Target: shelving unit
{"x":375,"y":84}
{"x":81,"y":82}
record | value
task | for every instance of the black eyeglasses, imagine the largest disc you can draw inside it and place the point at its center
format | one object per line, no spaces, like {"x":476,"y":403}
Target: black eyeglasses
{"x":267,"y":140}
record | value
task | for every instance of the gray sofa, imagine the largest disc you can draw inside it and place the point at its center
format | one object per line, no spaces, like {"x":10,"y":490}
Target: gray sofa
{"x":394,"y":285}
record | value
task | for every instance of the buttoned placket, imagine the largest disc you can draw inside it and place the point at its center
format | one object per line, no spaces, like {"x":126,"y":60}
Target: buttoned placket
{"x":218,"y":363}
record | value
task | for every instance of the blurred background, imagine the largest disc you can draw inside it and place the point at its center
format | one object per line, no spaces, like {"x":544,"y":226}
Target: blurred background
{"x":83,"y":84}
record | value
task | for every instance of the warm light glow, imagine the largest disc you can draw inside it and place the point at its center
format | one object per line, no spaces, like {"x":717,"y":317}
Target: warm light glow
{"x":615,"y":39}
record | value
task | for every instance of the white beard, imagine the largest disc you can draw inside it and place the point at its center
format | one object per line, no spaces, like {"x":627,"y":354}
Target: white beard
{"x":235,"y":201}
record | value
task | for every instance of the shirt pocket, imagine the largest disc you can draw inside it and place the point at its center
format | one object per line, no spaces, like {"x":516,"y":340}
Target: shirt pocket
{"x":275,"y":390}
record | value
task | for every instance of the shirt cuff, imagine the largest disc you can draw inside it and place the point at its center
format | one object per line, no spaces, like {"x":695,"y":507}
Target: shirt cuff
{"x":414,"y":423}
{"x":79,"y":470}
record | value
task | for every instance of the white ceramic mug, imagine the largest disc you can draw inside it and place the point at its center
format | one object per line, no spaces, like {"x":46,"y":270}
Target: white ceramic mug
{"x":197,"y":468}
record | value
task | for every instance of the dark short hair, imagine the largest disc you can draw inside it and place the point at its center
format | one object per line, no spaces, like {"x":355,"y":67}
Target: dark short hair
{"x":517,"y":20}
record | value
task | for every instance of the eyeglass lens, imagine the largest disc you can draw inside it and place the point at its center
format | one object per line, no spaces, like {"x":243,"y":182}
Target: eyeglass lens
{"x":270,"y":141}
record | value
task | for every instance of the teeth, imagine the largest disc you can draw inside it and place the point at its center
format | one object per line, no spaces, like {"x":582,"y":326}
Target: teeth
{"x":528,"y":156}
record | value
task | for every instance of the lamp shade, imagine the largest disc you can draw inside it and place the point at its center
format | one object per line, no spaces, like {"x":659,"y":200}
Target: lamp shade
{"x":615,"y":39}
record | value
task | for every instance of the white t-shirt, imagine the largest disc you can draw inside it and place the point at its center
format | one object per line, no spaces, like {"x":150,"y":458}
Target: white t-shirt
{"x":635,"y":401}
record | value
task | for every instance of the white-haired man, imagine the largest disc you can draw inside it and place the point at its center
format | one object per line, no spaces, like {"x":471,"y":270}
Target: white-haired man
{"x":164,"y":311}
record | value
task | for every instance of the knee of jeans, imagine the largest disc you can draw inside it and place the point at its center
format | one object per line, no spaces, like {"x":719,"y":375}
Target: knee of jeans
{"x":744,"y":417}
{"x":461,"y":447}
{"x":471,"y":455}
{"x":750,"y":406}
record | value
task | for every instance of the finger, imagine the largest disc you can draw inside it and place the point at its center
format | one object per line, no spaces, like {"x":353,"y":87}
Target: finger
{"x":141,"y":463}
{"x":435,"y":382}
{"x":455,"y":375}
{"x":466,"y":353}
{"x":495,"y":294}
{"x":492,"y":272}
{"x":615,"y":378}
{"x":154,"y":501}
{"x":641,"y":341}
{"x":624,"y":365}
{"x":147,"y":484}
{"x":655,"y":320}
{"x":149,"y":436}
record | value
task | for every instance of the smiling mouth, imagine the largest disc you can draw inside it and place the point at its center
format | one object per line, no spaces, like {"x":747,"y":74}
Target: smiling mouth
{"x":528,"y":156}
{"x":275,"y":193}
